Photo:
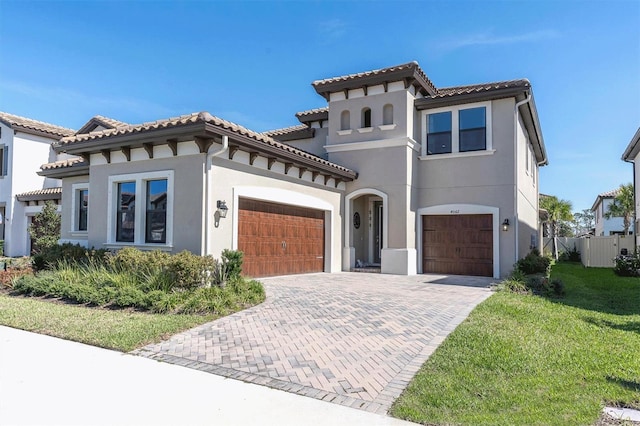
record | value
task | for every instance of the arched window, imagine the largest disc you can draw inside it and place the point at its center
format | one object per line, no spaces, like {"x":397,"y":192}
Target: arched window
{"x":387,"y":114}
{"x":366,"y":117}
{"x":345,"y":120}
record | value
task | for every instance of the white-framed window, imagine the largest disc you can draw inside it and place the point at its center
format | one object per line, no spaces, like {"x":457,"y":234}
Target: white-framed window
{"x":457,"y":129}
{"x":80,"y":207}
{"x":4,"y":160}
{"x":141,"y":209}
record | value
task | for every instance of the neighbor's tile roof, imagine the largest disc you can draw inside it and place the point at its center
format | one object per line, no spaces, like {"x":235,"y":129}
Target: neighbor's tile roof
{"x":196,"y":117}
{"x":479,"y":88}
{"x":15,"y":121}
{"x":41,"y":194}
{"x":75,"y":161}
{"x":610,"y":194}
{"x":286,"y":130}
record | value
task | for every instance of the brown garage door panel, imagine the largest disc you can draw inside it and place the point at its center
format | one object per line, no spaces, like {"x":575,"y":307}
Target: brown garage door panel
{"x":458,"y":244}
{"x":278,"y":239}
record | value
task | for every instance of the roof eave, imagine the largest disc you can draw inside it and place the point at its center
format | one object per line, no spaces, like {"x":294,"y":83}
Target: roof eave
{"x":307,"y":133}
{"x":65,"y":172}
{"x":39,"y":197}
{"x":631,"y":152}
{"x":314,"y":116}
{"x":429,"y":103}
{"x":543,"y":160}
{"x":410,"y":75}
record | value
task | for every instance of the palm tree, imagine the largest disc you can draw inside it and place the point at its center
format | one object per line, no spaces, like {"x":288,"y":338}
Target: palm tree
{"x":558,"y":211}
{"x":623,"y":206}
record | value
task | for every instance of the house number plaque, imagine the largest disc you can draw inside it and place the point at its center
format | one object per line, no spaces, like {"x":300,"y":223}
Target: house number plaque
{"x":356,"y":220}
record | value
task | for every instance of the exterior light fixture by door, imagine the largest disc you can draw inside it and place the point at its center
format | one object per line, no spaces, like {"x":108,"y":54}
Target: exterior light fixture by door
{"x":505,"y":225}
{"x":222,"y":208}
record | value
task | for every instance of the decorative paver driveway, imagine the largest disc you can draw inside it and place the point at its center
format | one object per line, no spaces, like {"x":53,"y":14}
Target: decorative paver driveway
{"x":354,"y":339}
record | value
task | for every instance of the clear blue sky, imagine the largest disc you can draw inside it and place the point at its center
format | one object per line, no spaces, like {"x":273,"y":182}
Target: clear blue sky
{"x":253,"y":62}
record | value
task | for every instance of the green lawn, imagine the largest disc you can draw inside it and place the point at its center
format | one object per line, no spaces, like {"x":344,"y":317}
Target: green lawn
{"x":529,"y":360}
{"x":114,"y":329}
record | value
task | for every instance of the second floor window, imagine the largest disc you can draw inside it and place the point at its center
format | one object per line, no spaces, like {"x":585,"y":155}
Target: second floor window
{"x":472,"y":129}
{"x":366,"y":117}
{"x":439,"y":133}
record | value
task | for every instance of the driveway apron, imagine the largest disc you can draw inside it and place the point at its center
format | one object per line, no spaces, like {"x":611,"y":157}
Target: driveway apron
{"x":355,"y":339}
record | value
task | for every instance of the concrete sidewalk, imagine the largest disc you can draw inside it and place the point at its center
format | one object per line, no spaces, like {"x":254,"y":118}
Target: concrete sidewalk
{"x":50,"y":381}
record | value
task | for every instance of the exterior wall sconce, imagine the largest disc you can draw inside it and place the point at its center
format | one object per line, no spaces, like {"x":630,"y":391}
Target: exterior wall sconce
{"x":505,"y":225}
{"x":222,"y":208}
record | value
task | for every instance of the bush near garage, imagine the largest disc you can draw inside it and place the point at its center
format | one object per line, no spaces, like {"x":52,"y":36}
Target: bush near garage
{"x":154,"y":281}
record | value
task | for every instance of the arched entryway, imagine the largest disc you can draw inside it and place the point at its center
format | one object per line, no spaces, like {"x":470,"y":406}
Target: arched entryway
{"x":366,"y":225}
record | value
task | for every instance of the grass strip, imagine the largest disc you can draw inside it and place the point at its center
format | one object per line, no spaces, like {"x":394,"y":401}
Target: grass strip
{"x":121,"y":330}
{"x":530,"y":360}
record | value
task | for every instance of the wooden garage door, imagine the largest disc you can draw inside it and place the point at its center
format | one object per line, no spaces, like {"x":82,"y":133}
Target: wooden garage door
{"x":280,"y":240}
{"x":458,"y":244}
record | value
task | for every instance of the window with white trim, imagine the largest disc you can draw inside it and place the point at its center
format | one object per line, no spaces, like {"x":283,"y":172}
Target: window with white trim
{"x":142,"y":208}
{"x":4,"y":160}
{"x":80,"y":207}
{"x":457,"y":129}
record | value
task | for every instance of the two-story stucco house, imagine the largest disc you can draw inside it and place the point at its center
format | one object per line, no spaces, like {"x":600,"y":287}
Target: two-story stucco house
{"x":607,"y":226}
{"x":393,"y":171}
{"x":24,"y":145}
{"x":632,"y":155}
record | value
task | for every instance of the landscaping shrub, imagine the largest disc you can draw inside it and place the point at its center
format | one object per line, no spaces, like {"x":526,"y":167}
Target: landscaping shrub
{"x":50,"y":257}
{"x":557,"y":287}
{"x":179,"y":284}
{"x":233,"y":262}
{"x":534,"y":263}
{"x":627,"y":266}
{"x":572,"y":255}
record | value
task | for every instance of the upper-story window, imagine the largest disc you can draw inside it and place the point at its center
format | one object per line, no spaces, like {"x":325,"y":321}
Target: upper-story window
{"x":366,"y":117}
{"x":387,"y":114}
{"x":4,"y":160}
{"x":439,"y":133}
{"x":345,"y":120}
{"x":457,"y":129}
{"x":473,"y":134}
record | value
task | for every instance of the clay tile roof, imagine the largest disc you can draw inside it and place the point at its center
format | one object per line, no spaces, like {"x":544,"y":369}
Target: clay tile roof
{"x":312,"y":112}
{"x":286,"y":130}
{"x":27,"y":124}
{"x":41,"y":194}
{"x":478,"y":88}
{"x":60,"y":164}
{"x":110,"y":121}
{"x":610,"y":194}
{"x":410,"y":69}
{"x":196,"y":117}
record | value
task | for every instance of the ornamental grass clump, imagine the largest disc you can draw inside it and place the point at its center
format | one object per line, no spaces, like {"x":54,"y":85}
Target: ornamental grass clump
{"x":150,"y":281}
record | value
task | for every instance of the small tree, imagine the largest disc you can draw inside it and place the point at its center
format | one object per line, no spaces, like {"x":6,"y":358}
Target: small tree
{"x":45,"y":228}
{"x":623,"y":206}
{"x":559,"y":212}
{"x":584,"y":222}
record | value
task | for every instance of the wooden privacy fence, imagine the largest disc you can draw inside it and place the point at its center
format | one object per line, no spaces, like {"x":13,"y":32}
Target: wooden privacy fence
{"x":595,"y":252}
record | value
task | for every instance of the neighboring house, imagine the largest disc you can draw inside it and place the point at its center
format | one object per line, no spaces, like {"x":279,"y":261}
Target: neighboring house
{"x":24,"y":145}
{"x":393,"y":172}
{"x":607,"y":226}
{"x":632,"y":155}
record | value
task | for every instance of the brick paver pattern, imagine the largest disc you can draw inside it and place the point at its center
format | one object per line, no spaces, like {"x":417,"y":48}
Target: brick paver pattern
{"x":350,"y":338}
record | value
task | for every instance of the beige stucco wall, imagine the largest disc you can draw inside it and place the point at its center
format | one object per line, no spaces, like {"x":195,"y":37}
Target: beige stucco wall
{"x":231,"y":180}
{"x":527,"y":194}
{"x":188,"y":198}
{"x":482,"y":180}
{"x":67,"y":233}
{"x":313,"y":145}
